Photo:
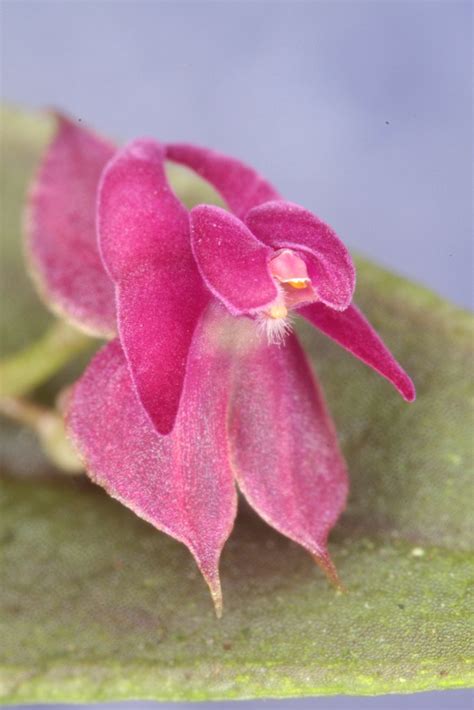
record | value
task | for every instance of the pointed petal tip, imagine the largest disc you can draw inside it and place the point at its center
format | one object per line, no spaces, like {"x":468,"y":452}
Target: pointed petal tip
{"x":409,"y":390}
{"x":59,"y":116}
{"x":65,"y":122}
{"x":354,"y":333}
{"x":325,"y":563}
{"x":403,"y":384}
{"x":215,"y":589}
{"x":62,"y":119}
{"x":163,"y":423}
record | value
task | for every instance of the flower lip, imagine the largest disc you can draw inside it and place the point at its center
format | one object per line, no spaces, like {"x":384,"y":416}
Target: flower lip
{"x":284,"y":225}
{"x":289,"y":268}
{"x":294,"y":288}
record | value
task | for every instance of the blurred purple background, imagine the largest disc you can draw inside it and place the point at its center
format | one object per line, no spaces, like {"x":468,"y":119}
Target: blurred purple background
{"x":361,"y":111}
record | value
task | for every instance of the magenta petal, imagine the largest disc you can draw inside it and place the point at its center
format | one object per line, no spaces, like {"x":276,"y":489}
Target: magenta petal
{"x":182,"y":483}
{"x":285,"y":452}
{"x":62,"y":242}
{"x":352,"y":330}
{"x":330,"y":268}
{"x":240,"y":186}
{"x":144,"y":241}
{"x":233,"y":264}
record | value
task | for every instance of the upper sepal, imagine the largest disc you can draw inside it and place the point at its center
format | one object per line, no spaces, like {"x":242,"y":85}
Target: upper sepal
{"x":145,"y":244}
{"x":61,"y":232}
{"x":240,"y":185}
{"x":283,"y":224}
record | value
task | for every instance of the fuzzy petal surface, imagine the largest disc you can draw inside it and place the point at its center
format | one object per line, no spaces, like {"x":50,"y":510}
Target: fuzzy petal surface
{"x":232,"y":262}
{"x":145,"y":244}
{"x":353,"y":331}
{"x":181,"y":483}
{"x":285,"y":452}
{"x":240,"y":185}
{"x":61,"y":231}
{"x":283,"y":224}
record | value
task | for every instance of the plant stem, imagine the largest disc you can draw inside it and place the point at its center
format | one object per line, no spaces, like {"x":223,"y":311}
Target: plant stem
{"x":21,"y":411}
{"x":49,"y":427}
{"x":32,"y":366}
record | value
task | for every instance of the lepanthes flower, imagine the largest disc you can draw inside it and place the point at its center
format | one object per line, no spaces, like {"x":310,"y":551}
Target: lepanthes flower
{"x":204,"y":385}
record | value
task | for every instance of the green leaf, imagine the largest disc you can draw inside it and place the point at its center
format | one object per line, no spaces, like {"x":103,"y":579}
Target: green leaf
{"x":97,"y":605}
{"x":22,"y":316}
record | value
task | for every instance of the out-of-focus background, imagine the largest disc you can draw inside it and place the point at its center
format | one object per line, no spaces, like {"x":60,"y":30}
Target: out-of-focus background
{"x":358,"y":110}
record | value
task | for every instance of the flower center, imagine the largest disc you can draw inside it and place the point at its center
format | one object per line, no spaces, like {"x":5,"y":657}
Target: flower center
{"x":289,"y":268}
{"x":294,"y":287}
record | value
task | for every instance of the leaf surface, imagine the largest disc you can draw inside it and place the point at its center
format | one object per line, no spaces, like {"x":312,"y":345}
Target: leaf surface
{"x":97,"y":605}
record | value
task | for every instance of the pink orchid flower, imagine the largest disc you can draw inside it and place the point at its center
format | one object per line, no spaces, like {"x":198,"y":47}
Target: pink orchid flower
{"x":205,"y":385}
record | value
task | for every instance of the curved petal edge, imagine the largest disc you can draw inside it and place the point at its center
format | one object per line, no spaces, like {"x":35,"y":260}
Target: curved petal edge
{"x":282,"y":224}
{"x":144,"y":239}
{"x":240,"y":185}
{"x":232,"y":262}
{"x":354,"y":333}
{"x":61,"y":240}
{"x":286,"y":457}
{"x":182,"y":483}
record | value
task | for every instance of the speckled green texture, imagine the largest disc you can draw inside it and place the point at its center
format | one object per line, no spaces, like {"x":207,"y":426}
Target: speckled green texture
{"x":97,"y":605}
